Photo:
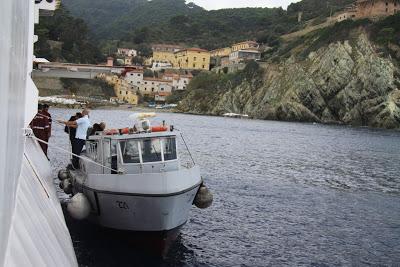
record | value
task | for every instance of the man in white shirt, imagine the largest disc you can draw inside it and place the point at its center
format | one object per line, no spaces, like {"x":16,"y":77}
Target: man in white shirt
{"x":82,"y":125}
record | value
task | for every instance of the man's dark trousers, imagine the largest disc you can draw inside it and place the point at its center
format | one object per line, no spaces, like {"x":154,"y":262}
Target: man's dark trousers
{"x":77,"y":147}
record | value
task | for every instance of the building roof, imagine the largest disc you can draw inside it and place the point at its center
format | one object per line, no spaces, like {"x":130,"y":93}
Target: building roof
{"x":155,"y":79}
{"x":194,"y":49}
{"x":163,"y":93}
{"x":134,"y":71}
{"x":246,"y":42}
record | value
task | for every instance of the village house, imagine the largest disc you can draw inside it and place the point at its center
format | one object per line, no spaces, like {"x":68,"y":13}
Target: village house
{"x":150,"y":86}
{"x":126,"y":92}
{"x":126,"y":52}
{"x":133,"y":77}
{"x":157,"y":66}
{"x":165,"y":53}
{"x":221,"y":52}
{"x":244,"y":54}
{"x":178,"y":81}
{"x":128,"y":61}
{"x":192,"y":58}
{"x":244,"y":45}
{"x":376,"y":8}
{"x":373,"y":9}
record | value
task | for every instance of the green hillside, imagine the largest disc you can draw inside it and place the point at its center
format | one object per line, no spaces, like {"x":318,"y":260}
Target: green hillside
{"x":174,"y":21}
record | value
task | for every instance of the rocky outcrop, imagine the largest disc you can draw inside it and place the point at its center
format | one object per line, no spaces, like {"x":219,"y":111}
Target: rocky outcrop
{"x":346,"y":82}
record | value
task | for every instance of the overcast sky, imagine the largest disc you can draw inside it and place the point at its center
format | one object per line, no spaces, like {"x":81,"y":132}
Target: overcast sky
{"x":218,"y":4}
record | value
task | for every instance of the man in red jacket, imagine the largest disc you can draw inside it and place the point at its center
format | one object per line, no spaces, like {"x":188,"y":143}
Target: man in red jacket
{"x":40,"y":127}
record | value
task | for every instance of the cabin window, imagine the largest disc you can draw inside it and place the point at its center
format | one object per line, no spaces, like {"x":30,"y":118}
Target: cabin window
{"x":130,"y":151}
{"x":169,"y":147}
{"x":151,"y":150}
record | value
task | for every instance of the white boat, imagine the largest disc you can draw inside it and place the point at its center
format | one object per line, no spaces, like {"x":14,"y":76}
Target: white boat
{"x":135,"y":182}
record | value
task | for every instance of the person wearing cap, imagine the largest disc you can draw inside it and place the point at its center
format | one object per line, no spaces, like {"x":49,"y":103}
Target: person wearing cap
{"x":40,"y":127}
{"x":82,"y":125}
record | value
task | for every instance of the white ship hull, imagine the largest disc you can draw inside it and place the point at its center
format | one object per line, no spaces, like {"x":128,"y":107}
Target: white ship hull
{"x":32,"y":226}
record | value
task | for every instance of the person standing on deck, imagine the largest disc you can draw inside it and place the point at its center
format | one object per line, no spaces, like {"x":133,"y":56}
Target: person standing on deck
{"x":45,"y":113}
{"x":71,"y":131}
{"x":82,"y":125}
{"x":48,"y":115}
{"x":40,"y":126}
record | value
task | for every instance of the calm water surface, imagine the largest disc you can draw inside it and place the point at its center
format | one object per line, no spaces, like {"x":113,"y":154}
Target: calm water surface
{"x":285,"y":194}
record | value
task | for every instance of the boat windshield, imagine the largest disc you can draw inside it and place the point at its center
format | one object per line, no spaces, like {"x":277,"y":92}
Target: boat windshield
{"x":151,"y":150}
{"x":130,"y":151}
{"x":169,"y":148}
{"x":148,"y":150}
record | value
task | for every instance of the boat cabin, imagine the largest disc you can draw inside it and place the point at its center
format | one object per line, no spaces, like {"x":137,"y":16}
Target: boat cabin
{"x":131,"y":153}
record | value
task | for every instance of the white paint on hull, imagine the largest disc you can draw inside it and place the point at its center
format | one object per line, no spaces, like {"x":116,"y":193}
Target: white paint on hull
{"x":142,"y":213}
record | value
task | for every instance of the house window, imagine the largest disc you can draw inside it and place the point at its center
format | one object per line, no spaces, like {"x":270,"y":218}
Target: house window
{"x":138,"y":74}
{"x":131,"y":74}
{"x":194,"y":65}
{"x":126,"y":92}
{"x":204,"y":59}
{"x":145,"y":82}
{"x":194,"y":58}
{"x":204,"y":66}
{"x":120,"y":92}
{"x":162,"y":89}
{"x":138,"y":82}
{"x":152,"y":89}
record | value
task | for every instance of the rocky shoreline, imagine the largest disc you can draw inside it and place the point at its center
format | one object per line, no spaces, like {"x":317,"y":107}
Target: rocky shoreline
{"x":344,"y":83}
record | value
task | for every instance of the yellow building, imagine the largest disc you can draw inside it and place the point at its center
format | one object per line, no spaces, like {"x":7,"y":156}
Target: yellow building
{"x":164,"y":56}
{"x":126,"y":92}
{"x":192,"y":58}
{"x":221,"y":52}
{"x":165,"y":52}
{"x":244,"y":45}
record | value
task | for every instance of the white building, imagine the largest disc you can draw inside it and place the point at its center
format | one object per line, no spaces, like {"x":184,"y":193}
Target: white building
{"x":178,"y":81}
{"x":159,"y":65}
{"x":245,"y":54}
{"x":151,"y":86}
{"x":134,"y":77}
{"x":126,"y":52}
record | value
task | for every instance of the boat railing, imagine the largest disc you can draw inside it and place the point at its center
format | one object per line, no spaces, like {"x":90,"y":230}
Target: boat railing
{"x":185,"y":156}
{"x":92,"y":150}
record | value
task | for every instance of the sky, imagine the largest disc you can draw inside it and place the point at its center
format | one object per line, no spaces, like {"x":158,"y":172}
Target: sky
{"x":218,"y":4}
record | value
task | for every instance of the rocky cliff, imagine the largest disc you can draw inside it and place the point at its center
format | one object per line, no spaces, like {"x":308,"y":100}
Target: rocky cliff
{"x":345,"y":82}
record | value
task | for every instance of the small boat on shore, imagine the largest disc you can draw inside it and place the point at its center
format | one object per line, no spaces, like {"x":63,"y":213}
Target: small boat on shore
{"x":135,"y":182}
{"x":234,"y":115}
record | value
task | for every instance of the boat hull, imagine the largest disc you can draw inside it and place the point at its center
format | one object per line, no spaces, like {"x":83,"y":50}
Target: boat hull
{"x":135,"y":212}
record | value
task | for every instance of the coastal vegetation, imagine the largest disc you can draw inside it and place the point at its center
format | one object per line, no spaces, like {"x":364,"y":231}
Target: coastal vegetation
{"x":64,"y":38}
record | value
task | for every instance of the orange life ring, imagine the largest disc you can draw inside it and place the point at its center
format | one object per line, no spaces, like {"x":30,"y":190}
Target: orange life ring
{"x":125,"y":130}
{"x":159,"y":128}
{"x":111,"y":132}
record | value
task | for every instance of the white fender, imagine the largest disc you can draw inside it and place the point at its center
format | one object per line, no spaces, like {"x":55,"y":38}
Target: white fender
{"x":79,"y":207}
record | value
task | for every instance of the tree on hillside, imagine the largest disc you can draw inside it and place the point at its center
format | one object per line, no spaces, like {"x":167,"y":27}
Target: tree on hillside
{"x":64,"y":38}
